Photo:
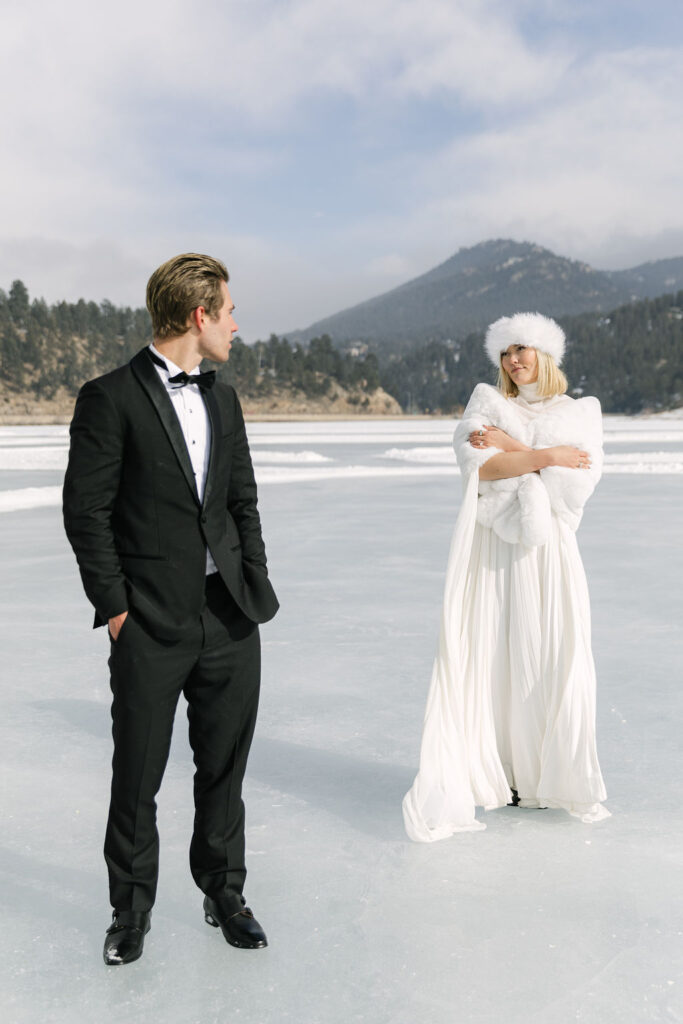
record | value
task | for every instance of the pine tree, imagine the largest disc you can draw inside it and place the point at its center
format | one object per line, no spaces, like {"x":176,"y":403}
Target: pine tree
{"x":18,"y":303}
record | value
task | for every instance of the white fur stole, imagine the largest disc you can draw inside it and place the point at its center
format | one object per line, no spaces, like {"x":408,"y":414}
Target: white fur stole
{"x":519,"y":508}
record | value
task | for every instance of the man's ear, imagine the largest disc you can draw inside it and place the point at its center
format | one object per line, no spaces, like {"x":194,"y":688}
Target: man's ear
{"x":197,"y":317}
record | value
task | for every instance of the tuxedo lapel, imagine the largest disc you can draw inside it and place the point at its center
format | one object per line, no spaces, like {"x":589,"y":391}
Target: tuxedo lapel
{"x":214,"y":412}
{"x":143,"y":368}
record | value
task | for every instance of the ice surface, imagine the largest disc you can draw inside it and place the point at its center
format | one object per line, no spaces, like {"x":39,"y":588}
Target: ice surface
{"x":537,"y":920}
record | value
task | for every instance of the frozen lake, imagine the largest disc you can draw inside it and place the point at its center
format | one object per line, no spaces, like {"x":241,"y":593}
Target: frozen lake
{"x":538,"y":920}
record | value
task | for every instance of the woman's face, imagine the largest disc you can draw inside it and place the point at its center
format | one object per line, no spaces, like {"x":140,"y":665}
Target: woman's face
{"x":521,"y":364}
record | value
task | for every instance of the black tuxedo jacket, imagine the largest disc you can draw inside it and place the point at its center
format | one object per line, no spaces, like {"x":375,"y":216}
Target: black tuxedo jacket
{"x":132,"y":512}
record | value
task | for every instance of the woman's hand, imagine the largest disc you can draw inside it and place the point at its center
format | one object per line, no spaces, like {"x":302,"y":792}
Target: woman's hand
{"x":494,"y":437}
{"x":570,"y":457}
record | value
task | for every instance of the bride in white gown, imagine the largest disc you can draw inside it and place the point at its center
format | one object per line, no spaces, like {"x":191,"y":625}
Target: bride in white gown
{"x":511,"y":704}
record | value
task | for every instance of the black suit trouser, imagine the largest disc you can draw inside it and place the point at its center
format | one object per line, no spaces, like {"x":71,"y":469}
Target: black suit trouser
{"x":217,"y":666}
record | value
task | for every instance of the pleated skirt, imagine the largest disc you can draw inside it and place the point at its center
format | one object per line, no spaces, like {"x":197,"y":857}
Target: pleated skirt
{"x":512,"y":699}
{"x":526,"y":640}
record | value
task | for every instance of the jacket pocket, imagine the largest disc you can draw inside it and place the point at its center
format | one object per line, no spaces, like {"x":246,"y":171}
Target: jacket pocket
{"x":121,"y":631}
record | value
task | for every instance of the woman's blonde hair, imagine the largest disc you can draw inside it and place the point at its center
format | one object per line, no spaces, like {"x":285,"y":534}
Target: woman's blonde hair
{"x":551,"y":380}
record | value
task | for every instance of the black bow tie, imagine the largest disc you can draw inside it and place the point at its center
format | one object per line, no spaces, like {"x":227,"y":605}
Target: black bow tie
{"x":204,"y":380}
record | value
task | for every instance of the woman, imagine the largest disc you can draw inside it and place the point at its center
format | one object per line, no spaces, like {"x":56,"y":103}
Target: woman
{"x":511,"y":706}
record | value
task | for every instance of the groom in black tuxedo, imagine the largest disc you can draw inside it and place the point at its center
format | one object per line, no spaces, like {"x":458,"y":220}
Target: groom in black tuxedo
{"x":160,"y":509}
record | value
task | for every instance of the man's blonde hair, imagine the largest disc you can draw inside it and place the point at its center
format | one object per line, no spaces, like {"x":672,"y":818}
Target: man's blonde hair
{"x":551,"y":380}
{"x":179,"y":286}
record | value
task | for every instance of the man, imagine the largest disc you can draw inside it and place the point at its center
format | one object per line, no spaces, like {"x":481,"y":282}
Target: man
{"x":160,"y":509}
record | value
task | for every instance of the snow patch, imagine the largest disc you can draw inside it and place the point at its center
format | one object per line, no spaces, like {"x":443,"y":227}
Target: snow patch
{"x":644,"y":467}
{"x":33,"y":457}
{"x":30,"y":497}
{"x":443,"y":454}
{"x":643,"y":436}
{"x":284,"y":476}
{"x":368,"y":437}
{"x":264,"y":457}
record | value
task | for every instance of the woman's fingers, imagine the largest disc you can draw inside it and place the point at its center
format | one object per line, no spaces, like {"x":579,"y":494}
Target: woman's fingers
{"x":478,"y":438}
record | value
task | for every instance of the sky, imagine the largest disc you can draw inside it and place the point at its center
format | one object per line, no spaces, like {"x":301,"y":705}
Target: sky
{"x":328,"y":152}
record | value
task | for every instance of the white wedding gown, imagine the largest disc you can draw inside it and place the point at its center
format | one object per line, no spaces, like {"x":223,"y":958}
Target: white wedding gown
{"x":512,"y":698}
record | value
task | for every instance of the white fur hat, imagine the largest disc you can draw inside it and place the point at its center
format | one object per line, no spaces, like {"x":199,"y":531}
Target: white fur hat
{"x":531,"y":329}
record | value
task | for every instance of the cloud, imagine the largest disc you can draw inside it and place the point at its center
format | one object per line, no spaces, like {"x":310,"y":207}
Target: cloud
{"x":138,"y":130}
{"x":598,"y":164}
{"x":263,"y":277}
{"x":476,"y":53}
{"x":95,"y":271}
{"x":107,"y":100}
{"x":390,"y":265}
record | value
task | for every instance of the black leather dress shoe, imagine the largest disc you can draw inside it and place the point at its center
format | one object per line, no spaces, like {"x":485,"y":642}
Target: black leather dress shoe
{"x":239,"y":926}
{"x":125,"y":936}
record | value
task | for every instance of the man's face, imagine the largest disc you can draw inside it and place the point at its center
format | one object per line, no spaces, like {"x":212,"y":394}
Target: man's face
{"x":215,"y":337}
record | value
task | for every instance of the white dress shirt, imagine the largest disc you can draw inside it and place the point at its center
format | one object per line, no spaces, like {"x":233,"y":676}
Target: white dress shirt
{"x":195,"y":424}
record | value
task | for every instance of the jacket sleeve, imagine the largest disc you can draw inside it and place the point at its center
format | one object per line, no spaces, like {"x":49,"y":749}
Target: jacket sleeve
{"x":90,"y":488}
{"x":242,"y":497}
{"x":570,"y":489}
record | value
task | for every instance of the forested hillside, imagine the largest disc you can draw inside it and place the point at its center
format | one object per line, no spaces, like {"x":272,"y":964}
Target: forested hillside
{"x":48,"y":349}
{"x":47,"y":352}
{"x":631,"y":358}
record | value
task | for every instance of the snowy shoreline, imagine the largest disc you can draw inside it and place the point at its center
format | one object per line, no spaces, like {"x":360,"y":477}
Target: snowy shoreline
{"x":344,"y":450}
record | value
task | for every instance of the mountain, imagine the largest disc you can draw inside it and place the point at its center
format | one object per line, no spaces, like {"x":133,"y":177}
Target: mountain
{"x":651,"y":279}
{"x":481,"y":283}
